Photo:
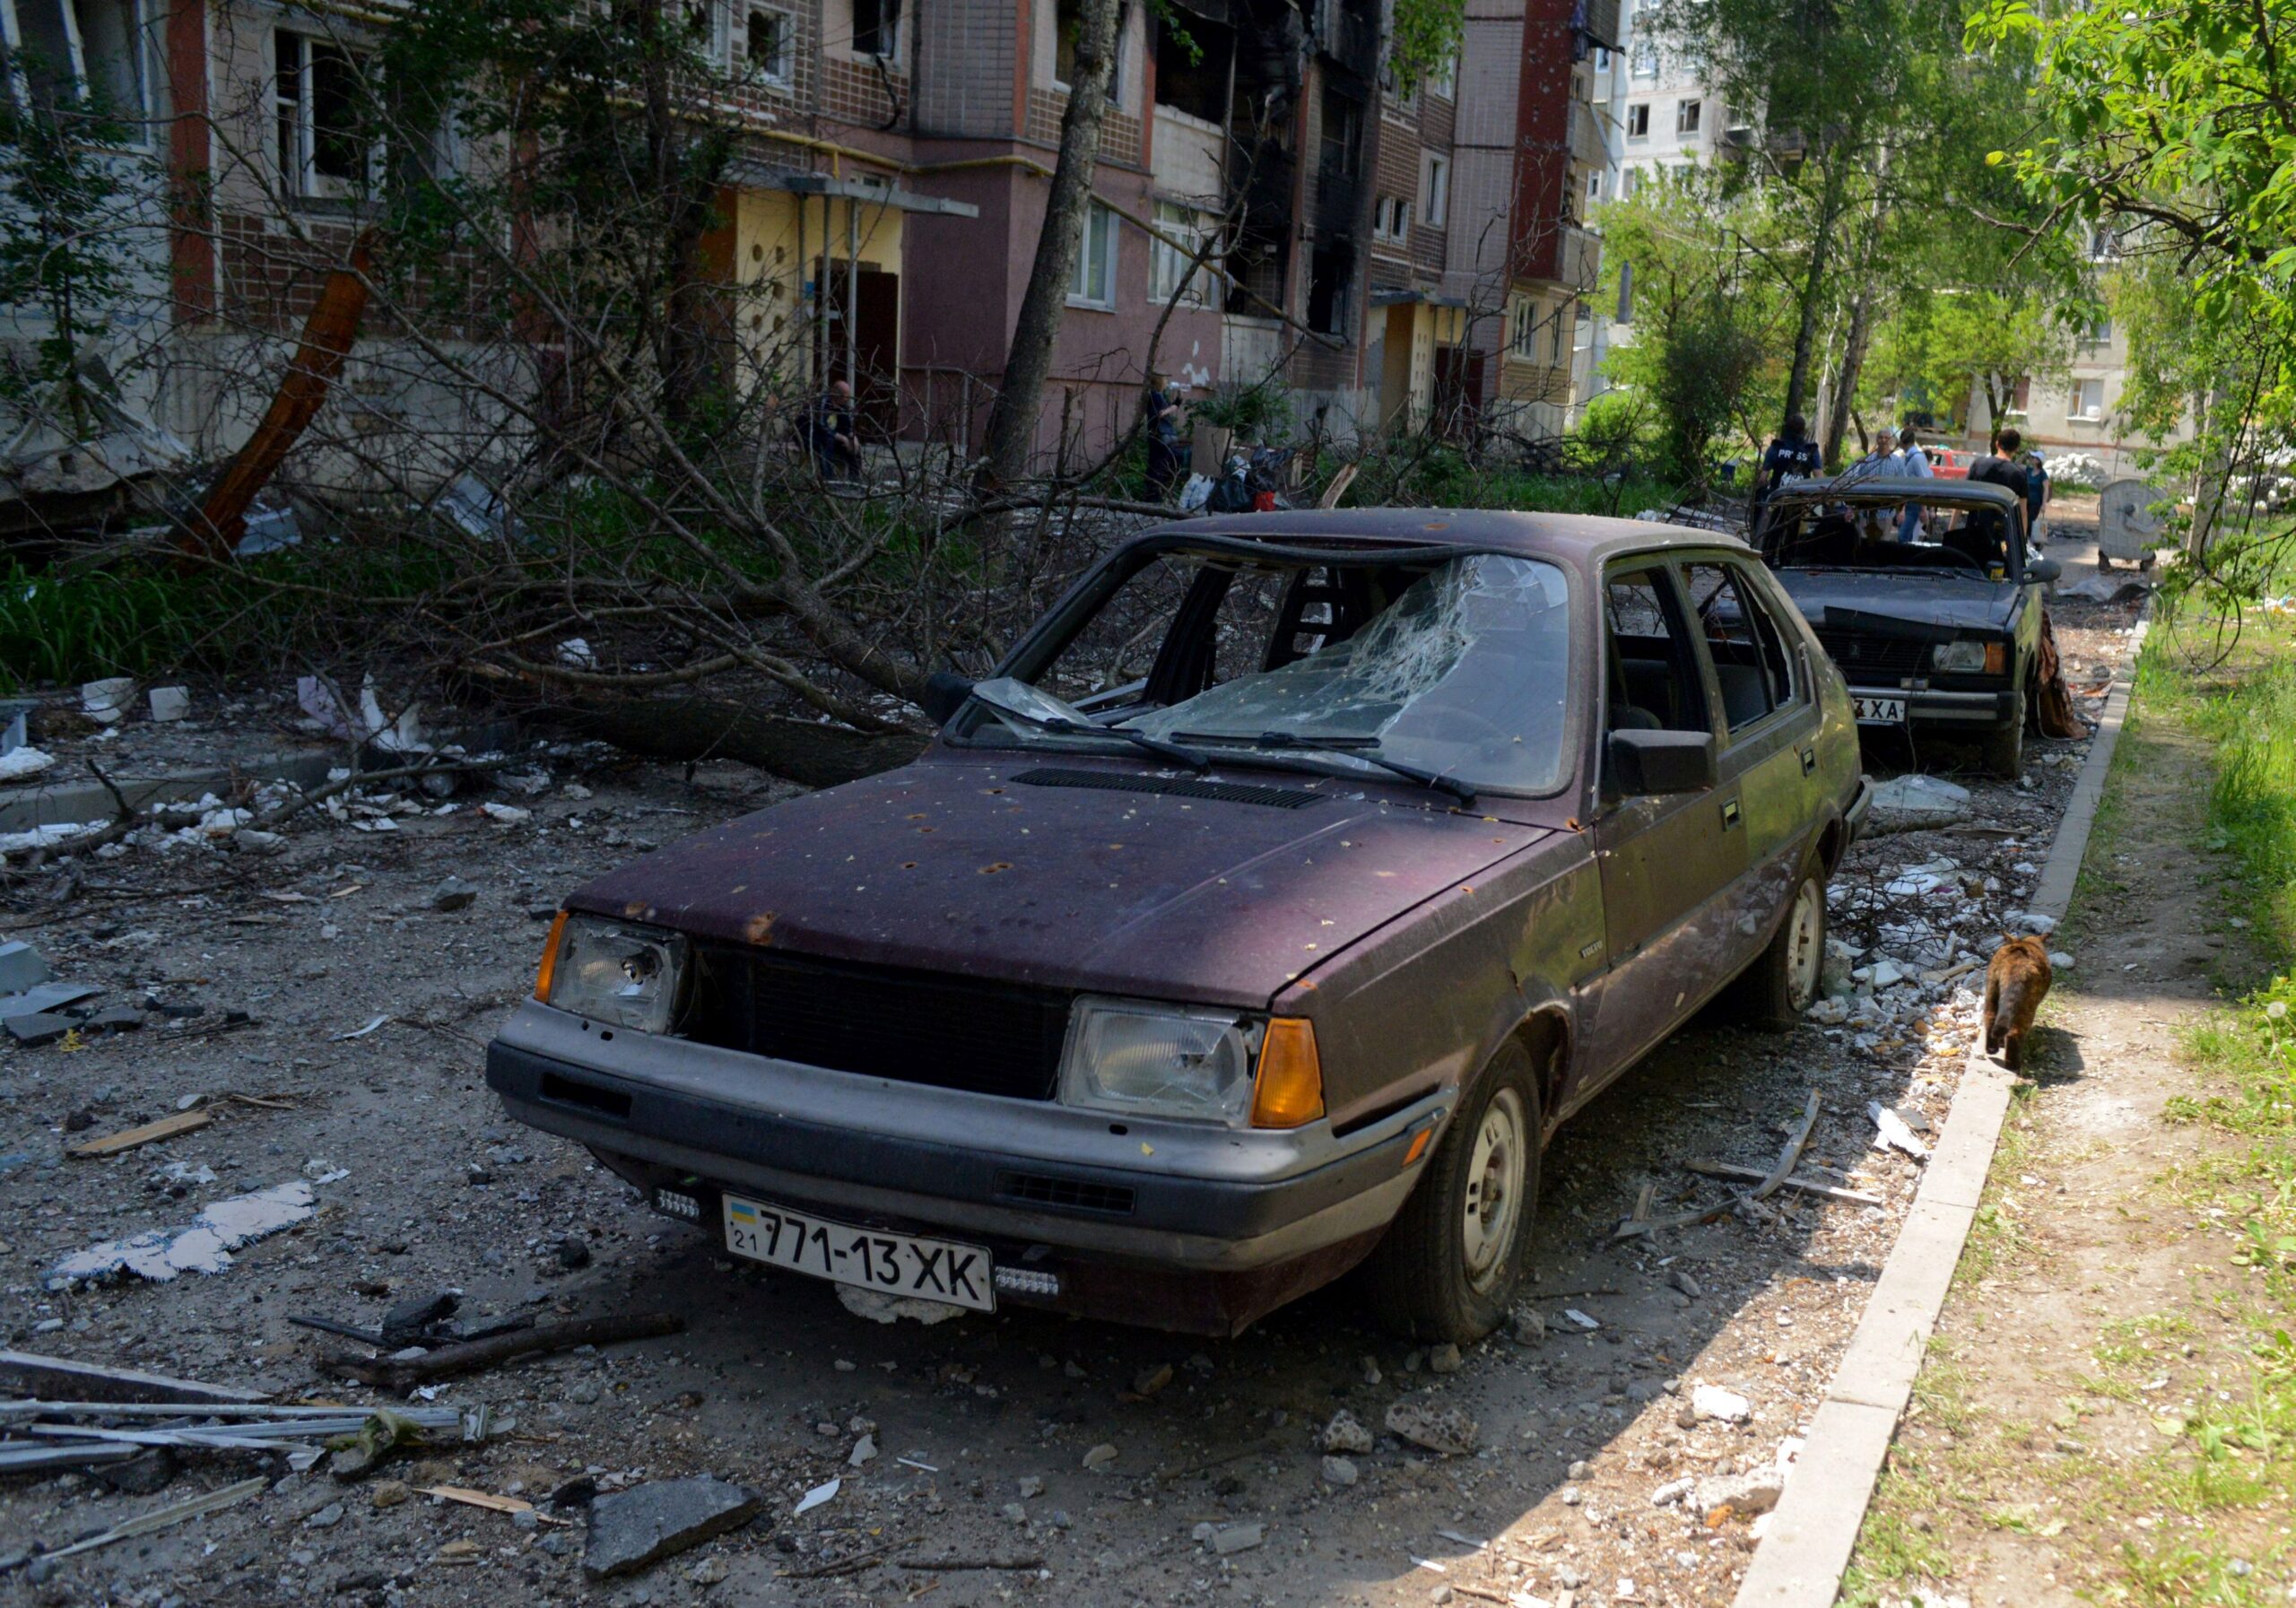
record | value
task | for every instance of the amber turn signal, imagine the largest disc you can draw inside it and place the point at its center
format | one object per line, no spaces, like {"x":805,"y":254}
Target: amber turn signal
{"x":1996,"y":658}
{"x":1288,"y":1090}
{"x":1419,"y":1144}
{"x":550,"y":958}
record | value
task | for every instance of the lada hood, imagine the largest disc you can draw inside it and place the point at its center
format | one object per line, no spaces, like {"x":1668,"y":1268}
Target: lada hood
{"x":957,"y":866}
{"x":1888,"y":602}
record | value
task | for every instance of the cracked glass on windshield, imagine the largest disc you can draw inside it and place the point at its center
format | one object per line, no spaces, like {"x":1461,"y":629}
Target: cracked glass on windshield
{"x":1460,"y":668}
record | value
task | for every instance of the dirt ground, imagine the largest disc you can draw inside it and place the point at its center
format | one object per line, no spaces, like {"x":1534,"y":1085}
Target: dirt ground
{"x":2100,"y":1301}
{"x":982,"y":1422}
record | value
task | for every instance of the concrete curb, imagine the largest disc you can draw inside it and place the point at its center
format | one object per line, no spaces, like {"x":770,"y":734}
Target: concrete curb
{"x":1814,"y":1527}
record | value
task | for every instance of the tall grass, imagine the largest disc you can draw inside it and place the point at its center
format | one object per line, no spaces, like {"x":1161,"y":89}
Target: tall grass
{"x":2252,"y":808}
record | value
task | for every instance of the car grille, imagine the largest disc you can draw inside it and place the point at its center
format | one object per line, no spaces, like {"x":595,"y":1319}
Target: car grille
{"x":1874,"y":656}
{"x":916,"y":1026}
{"x":1069,"y":1194}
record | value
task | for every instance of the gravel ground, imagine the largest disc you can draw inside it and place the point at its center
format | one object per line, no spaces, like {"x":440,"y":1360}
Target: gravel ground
{"x":980,"y":1426}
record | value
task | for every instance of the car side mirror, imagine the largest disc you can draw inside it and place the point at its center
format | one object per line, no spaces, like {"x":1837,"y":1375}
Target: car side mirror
{"x":1647,"y":764}
{"x":2043,"y":570}
{"x":943,"y":695}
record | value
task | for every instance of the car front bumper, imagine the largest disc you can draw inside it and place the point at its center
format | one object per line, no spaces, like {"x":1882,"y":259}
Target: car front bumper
{"x":1059,"y":1184}
{"x":1935,"y":707}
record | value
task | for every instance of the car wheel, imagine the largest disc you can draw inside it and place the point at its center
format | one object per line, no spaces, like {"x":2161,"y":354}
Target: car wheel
{"x":1783,"y":982}
{"x":1452,"y":1259}
{"x":2005,"y":745}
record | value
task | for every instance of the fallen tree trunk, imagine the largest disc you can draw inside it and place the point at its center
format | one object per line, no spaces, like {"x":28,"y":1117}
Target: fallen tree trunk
{"x":708,"y":728}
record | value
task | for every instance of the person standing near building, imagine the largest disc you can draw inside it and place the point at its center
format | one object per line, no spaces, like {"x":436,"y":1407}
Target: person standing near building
{"x":1166,"y":400}
{"x":1914,"y":465}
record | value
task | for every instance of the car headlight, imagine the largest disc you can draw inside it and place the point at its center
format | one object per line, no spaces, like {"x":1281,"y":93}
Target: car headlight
{"x":1145,"y":1059}
{"x":1971,"y":656}
{"x":612,"y":971}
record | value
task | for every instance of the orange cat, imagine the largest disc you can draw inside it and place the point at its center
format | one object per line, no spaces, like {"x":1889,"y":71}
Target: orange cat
{"x":2015,"y":984}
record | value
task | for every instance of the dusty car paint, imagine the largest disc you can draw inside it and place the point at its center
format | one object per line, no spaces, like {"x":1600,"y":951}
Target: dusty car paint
{"x":1417,"y":937}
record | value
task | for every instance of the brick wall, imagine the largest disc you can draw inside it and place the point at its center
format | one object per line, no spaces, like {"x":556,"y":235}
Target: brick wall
{"x":967,"y":52}
{"x":1119,"y":129}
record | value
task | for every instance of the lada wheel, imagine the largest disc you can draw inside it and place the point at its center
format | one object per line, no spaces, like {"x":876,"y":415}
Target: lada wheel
{"x":1449,"y":1266}
{"x":1784,"y":982}
{"x":2005,"y":745}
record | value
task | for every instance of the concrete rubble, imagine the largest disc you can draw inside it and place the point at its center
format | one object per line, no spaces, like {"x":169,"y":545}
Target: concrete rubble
{"x":633,"y":1529}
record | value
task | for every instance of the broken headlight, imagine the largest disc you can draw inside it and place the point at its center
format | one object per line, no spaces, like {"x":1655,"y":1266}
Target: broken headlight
{"x":614,"y":971}
{"x":1970,"y":656}
{"x":1142,"y":1059}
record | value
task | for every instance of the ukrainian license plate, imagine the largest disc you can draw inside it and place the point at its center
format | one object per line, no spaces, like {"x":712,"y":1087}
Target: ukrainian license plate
{"x":937,"y":1270}
{"x":1878,"y":711}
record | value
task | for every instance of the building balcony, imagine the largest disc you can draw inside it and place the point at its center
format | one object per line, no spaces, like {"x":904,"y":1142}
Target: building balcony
{"x":1584,"y":136}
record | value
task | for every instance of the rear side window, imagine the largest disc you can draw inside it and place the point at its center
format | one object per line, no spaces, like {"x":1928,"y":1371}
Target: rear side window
{"x":1751,"y":664}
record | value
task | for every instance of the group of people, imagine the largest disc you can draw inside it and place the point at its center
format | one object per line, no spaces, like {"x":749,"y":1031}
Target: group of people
{"x":2009,"y":465}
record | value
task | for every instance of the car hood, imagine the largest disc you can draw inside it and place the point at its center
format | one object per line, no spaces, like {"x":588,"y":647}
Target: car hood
{"x":954,"y":866}
{"x":1882,"y":601}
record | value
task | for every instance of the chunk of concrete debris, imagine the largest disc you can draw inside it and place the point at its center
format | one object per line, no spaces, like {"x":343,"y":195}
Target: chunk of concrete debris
{"x":454,"y":894}
{"x":1712,"y":1402}
{"x":40,"y":1028}
{"x":21,"y":966}
{"x":1346,"y":1434}
{"x":19,"y":763}
{"x":878,"y":1306}
{"x":1916,"y":803}
{"x":254,"y":840}
{"x":1031,"y":1487}
{"x":631,"y":1529}
{"x":1446,"y":1429}
{"x":1149,"y":1381}
{"x":1744,"y":1495}
{"x":204,"y":1245}
{"x":170,"y":703}
{"x":1226,"y":1539}
{"x":1529,"y":1325}
{"x":2034,"y":922}
{"x":1680,"y":1280}
{"x":1444,"y":1359}
{"x":1100,"y":1457}
{"x":864,"y":1450}
{"x":1340,"y":1472}
{"x":1672,"y":1491}
{"x":1890,"y":1131}
{"x":503,"y":814}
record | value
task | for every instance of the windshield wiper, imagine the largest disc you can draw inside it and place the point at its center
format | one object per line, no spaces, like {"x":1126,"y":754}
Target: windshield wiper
{"x":1353,"y":748}
{"x":1061,"y":726}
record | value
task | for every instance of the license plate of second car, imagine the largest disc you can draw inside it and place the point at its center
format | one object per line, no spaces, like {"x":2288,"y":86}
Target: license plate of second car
{"x":1879,"y":711}
{"x":934,"y":1270}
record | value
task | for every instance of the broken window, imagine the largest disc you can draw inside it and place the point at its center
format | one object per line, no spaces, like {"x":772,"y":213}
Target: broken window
{"x":1343,"y":136}
{"x":1330,"y":270}
{"x":772,"y":38}
{"x":1068,"y":18}
{"x":876,"y":27}
{"x":1654,"y":678}
{"x":1194,"y":83}
{"x":1638,"y":120}
{"x":328,"y":146}
{"x":1749,"y":661}
{"x":69,"y":52}
{"x":1686,"y":116}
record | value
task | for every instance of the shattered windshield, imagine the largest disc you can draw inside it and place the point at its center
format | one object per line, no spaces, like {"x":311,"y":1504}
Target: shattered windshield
{"x":1460,"y":669}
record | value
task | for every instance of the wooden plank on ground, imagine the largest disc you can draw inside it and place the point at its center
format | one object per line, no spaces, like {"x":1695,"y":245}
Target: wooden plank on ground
{"x":167,"y":1127}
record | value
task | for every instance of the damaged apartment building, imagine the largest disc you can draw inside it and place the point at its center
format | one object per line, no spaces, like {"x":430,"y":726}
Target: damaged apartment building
{"x":1403,"y":258}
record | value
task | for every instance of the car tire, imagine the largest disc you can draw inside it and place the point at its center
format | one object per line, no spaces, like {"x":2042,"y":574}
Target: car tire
{"x":2005,"y":745}
{"x":1454,"y":1257}
{"x":1784,"y":979}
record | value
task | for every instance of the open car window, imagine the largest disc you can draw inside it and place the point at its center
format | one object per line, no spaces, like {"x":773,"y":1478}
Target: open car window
{"x":1459,"y":667}
{"x":1750,"y":662}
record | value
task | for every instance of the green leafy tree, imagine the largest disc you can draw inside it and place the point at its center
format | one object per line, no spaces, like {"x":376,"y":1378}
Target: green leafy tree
{"x":65,"y":250}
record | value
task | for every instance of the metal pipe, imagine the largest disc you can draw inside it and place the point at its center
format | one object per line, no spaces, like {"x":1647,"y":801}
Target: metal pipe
{"x":852,"y":294}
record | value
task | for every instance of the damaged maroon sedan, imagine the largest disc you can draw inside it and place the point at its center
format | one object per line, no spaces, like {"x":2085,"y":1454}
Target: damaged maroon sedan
{"x":1264,"y":915}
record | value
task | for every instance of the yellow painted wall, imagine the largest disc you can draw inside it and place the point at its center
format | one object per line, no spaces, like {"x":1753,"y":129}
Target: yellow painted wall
{"x":771,"y":247}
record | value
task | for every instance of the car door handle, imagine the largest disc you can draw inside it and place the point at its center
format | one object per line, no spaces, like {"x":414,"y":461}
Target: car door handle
{"x":1809,"y":760}
{"x":1729,"y":813}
